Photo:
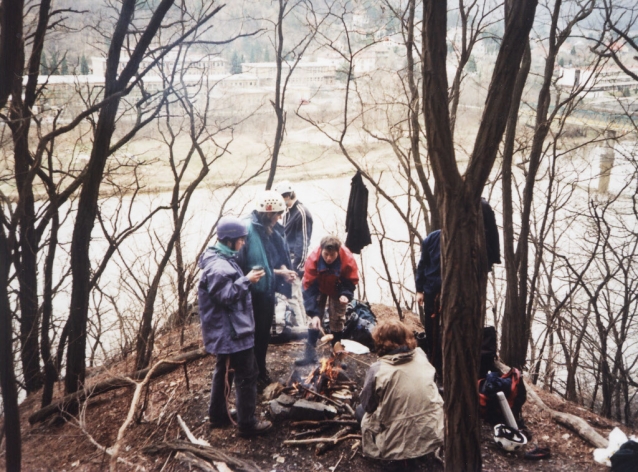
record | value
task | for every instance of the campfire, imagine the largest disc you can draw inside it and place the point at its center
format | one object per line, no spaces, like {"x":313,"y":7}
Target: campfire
{"x":319,"y":401}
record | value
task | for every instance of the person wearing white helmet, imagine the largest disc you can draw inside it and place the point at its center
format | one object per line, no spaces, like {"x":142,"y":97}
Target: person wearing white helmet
{"x":266,"y":249}
{"x":297,"y":222}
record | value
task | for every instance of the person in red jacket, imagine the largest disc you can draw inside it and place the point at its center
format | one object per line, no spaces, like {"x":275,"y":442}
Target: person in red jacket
{"x":330,"y":276}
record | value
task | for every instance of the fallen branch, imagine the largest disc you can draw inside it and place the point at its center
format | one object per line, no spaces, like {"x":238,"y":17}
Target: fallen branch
{"x":572,"y":422}
{"x":326,"y":446}
{"x":205,"y":452}
{"x":295,"y":442}
{"x":189,"y":435}
{"x":112,"y":384}
{"x":81,"y":425}
{"x":322,"y":422}
{"x":131,"y":413}
{"x":189,"y":459}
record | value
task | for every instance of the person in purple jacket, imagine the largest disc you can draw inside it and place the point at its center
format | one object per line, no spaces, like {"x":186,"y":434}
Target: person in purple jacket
{"x":228,"y":328}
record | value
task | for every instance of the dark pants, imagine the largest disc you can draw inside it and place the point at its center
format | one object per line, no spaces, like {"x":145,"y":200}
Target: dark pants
{"x":264,"y":311}
{"x":432,"y":325}
{"x":245,"y":376}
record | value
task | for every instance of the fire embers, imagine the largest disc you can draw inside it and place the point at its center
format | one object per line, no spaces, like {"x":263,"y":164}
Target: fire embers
{"x":325,"y":392}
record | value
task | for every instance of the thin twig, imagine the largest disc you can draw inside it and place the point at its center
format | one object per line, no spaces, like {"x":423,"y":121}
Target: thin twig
{"x":329,"y":400}
{"x":293,"y":442}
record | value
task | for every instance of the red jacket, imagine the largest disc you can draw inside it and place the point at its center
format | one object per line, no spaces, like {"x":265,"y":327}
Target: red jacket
{"x":338,"y":278}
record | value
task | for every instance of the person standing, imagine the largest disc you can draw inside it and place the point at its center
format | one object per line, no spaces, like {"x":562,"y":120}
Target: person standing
{"x":228,"y":328}
{"x":266,"y":249}
{"x":428,"y":291}
{"x":297,"y":223}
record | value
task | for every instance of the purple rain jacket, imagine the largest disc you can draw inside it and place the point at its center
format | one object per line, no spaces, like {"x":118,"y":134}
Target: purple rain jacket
{"x":225,"y":305}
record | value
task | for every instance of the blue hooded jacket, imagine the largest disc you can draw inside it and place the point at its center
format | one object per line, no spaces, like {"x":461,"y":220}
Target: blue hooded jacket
{"x":225,"y":304}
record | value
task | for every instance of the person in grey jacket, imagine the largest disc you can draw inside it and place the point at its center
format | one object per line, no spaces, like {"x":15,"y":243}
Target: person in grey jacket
{"x":228,"y":328}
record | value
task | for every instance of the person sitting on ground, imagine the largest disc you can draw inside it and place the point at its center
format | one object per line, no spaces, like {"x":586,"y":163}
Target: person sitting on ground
{"x":228,"y":328}
{"x":266,"y":248}
{"x":401,"y":410}
{"x":330,"y":276}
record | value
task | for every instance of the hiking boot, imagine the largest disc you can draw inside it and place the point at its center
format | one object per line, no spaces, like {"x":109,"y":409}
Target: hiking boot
{"x":260,"y":427}
{"x":309,"y":357}
{"x":263,"y":382}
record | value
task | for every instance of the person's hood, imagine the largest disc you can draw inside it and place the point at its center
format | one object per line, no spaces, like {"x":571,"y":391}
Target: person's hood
{"x":209,"y":255}
{"x":400,"y":356}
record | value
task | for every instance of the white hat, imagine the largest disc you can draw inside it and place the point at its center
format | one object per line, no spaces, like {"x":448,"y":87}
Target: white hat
{"x":270,"y":201}
{"x":284,"y":187}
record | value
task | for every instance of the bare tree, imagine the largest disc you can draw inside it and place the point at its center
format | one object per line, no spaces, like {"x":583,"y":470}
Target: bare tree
{"x":116,"y":85}
{"x":463,"y":260}
{"x":517,"y":315}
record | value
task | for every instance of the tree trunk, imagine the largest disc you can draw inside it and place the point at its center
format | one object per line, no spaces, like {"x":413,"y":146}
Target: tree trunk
{"x":434,"y":221}
{"x":87,"y":205}
{"x":278,"y":104}
{"x":463,"y":255}
{"x":514,"y":312}
{"x":8,"y":384}
{"x":464,"y":276}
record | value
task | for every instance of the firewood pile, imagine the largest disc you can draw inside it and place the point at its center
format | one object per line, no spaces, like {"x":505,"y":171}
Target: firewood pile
{"x":319,"y":405}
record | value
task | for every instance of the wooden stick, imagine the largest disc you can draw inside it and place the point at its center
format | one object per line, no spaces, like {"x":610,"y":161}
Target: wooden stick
{"x":326,"y":446}
{"x":189,"y":435}
{"x":292,"y":442}
{"x":320,"y":422}
{"x":310,"y":432}
{"x":329,"y":400}
{"x":190,"y":459}
{"x":207,"y":453}
{"x":359,"y":361}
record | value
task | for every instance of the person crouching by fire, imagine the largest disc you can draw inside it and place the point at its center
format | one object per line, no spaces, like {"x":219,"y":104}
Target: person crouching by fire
{"x":401,"y":410}
{"x":330,"y":276}
{"x":228,"y":328}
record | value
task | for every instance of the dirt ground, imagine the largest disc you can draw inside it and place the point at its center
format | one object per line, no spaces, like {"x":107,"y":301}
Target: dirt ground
{"x":62,"y":445}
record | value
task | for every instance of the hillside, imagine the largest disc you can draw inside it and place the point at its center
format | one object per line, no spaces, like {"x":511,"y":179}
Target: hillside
{"x":62,"y":445}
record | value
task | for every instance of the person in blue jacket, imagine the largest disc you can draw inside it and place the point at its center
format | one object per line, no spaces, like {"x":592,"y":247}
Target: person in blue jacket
{"x":428,"y":291}
{"x":228,"y":328}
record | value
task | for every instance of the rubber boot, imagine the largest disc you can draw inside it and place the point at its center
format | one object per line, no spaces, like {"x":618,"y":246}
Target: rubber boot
{"x":337,"y":336}
{"x":310,"y":353}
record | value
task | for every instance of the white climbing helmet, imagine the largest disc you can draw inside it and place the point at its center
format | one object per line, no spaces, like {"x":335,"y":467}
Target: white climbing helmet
{"x":508,"y":438}
{"x":270,"y":201}
{"x":284,"y":187}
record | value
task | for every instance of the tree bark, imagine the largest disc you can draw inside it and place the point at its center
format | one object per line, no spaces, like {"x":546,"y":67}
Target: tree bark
{"x":278,"y":104}
{"x":8,"y":384}
{"x":463,"y":255}
{"x":87,"y":205}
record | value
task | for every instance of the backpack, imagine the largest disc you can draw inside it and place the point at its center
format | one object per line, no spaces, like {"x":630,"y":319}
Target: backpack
{"x":512,"y":386}
{"x":360,"y":322}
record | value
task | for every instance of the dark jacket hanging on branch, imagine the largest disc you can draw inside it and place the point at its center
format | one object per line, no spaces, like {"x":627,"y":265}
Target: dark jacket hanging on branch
{"x":492,"y":241}
{"x":357,"y":218}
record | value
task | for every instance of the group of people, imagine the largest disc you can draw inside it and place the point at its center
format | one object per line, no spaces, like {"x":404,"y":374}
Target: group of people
{"x":255,"y":257}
